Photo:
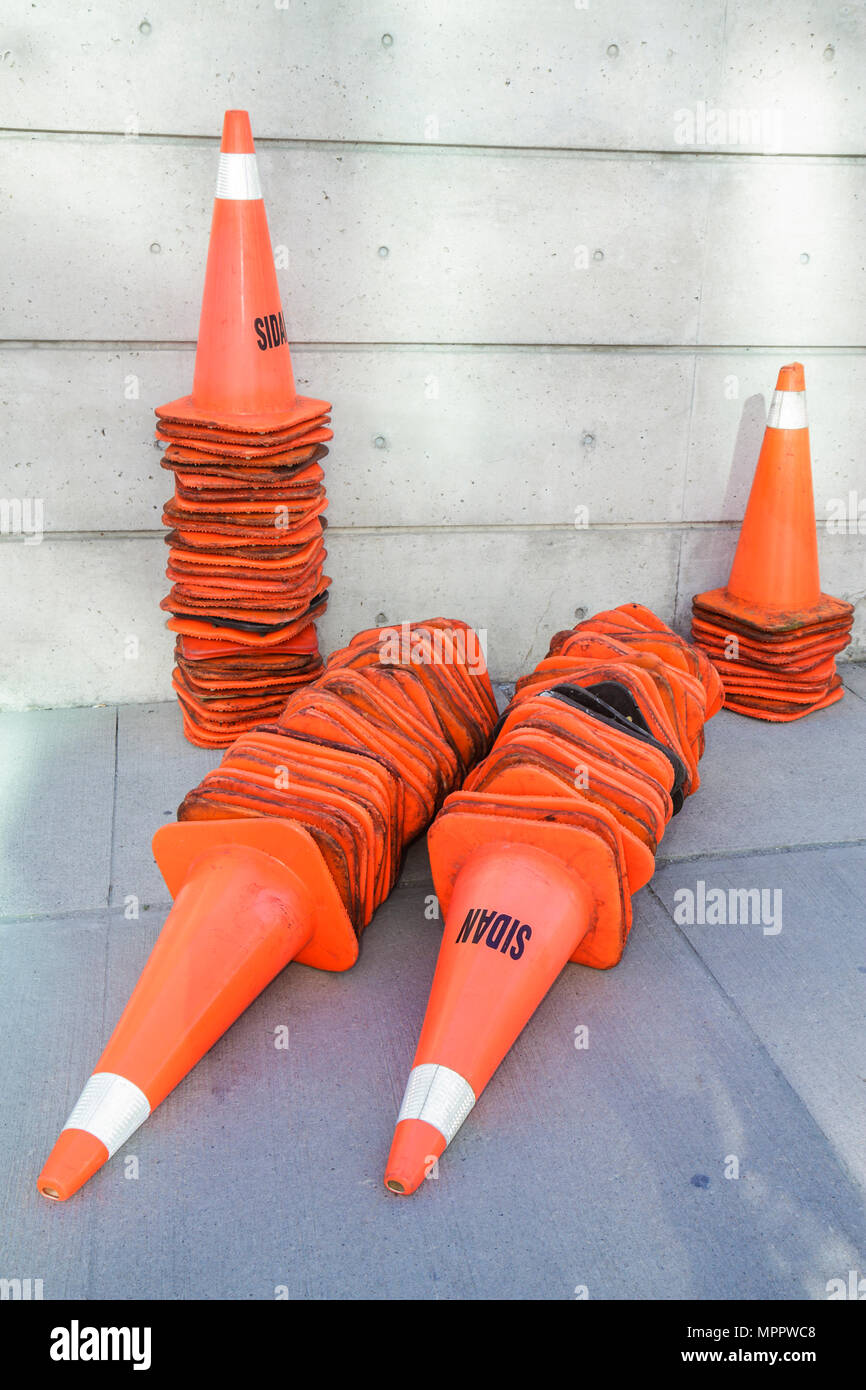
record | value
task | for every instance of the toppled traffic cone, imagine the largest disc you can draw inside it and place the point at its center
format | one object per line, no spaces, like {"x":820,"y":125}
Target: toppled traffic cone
{"x":771,"y":633}
{"x":283,"y":853}
{"x":536,"y":858}
{"x":246,"y":541}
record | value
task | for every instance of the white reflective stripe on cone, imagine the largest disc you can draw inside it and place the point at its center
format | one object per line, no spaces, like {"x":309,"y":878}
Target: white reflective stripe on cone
{"x":438,"y":1095}
{"x":238,"y":177}
{"x":788,"y":411}
{"x":110,"y":1108}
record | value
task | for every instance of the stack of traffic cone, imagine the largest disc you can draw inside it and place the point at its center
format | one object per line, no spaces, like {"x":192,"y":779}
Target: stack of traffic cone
{"x":364,"y":757}
{"x":536,"y":859}
{"x":246,"y":539}
{"x":284,"y":853}
{"x":771,"y":632}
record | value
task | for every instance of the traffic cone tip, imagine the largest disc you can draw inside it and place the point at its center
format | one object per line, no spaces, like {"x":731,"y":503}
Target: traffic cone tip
{"x":436,"y":1101}
{"x":109,"y":1110}
{"x":238,"y":174}
{"x":416,"y":1148}
{"x":791,"y":378}
{"x":237,"y":133}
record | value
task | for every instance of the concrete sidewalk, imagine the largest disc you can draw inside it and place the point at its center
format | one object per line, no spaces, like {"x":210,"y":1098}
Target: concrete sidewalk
{"x":708,"y":1142}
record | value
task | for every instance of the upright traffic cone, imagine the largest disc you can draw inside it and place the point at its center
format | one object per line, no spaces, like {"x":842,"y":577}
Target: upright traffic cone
{"x":535,"y":860}
{"x":772,"y":618}
{"x":243,"y":376}
{"x":283,"y":853}
{"x":246,"y":541}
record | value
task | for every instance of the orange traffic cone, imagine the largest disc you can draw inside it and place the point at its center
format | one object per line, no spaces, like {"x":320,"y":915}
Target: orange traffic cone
{"x":535,"y":866}
{"x":516,"y":915}
{"x":266,"y":868}
{"x":243,"y":368}
{"x":772,"y":613}
{"x":774,"y":583}
{"x":251,"y":896}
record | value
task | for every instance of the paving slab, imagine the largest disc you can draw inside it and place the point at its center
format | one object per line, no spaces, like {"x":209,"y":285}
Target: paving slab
{"x":853,"y":675}
{"x":262,"y":1173}
{"x":56,"y":806}
{"x":51,"y":1019}
{"x":794,"y":966}
{"x":416,"y":865}
{"x":156,"y":767}
{"x":766,"y":786}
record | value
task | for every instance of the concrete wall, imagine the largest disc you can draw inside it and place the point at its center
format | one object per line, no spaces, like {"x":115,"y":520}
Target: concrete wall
{"x":607,"y":226}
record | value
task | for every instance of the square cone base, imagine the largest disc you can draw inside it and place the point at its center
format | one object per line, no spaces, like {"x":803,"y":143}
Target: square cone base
{"x":246,"y":451}
{"x":782,"y":672}
{"x":172,"y":430}
{"x":777,"y":711}
{"x":585,"y":840}
{"x":807,"y":661}
{"x":185,"y":411}
{"x":722,"y":604}
{"x":333,"y":944}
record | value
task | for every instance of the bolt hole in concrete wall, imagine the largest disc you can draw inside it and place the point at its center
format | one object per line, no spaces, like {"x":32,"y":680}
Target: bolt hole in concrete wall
{"x":546,"y":271}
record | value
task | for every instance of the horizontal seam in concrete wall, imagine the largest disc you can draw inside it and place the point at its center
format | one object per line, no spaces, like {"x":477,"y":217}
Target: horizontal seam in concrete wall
{"x":432,"y":147}
{"x":298,"y":345}
{"x":508,"y":527}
